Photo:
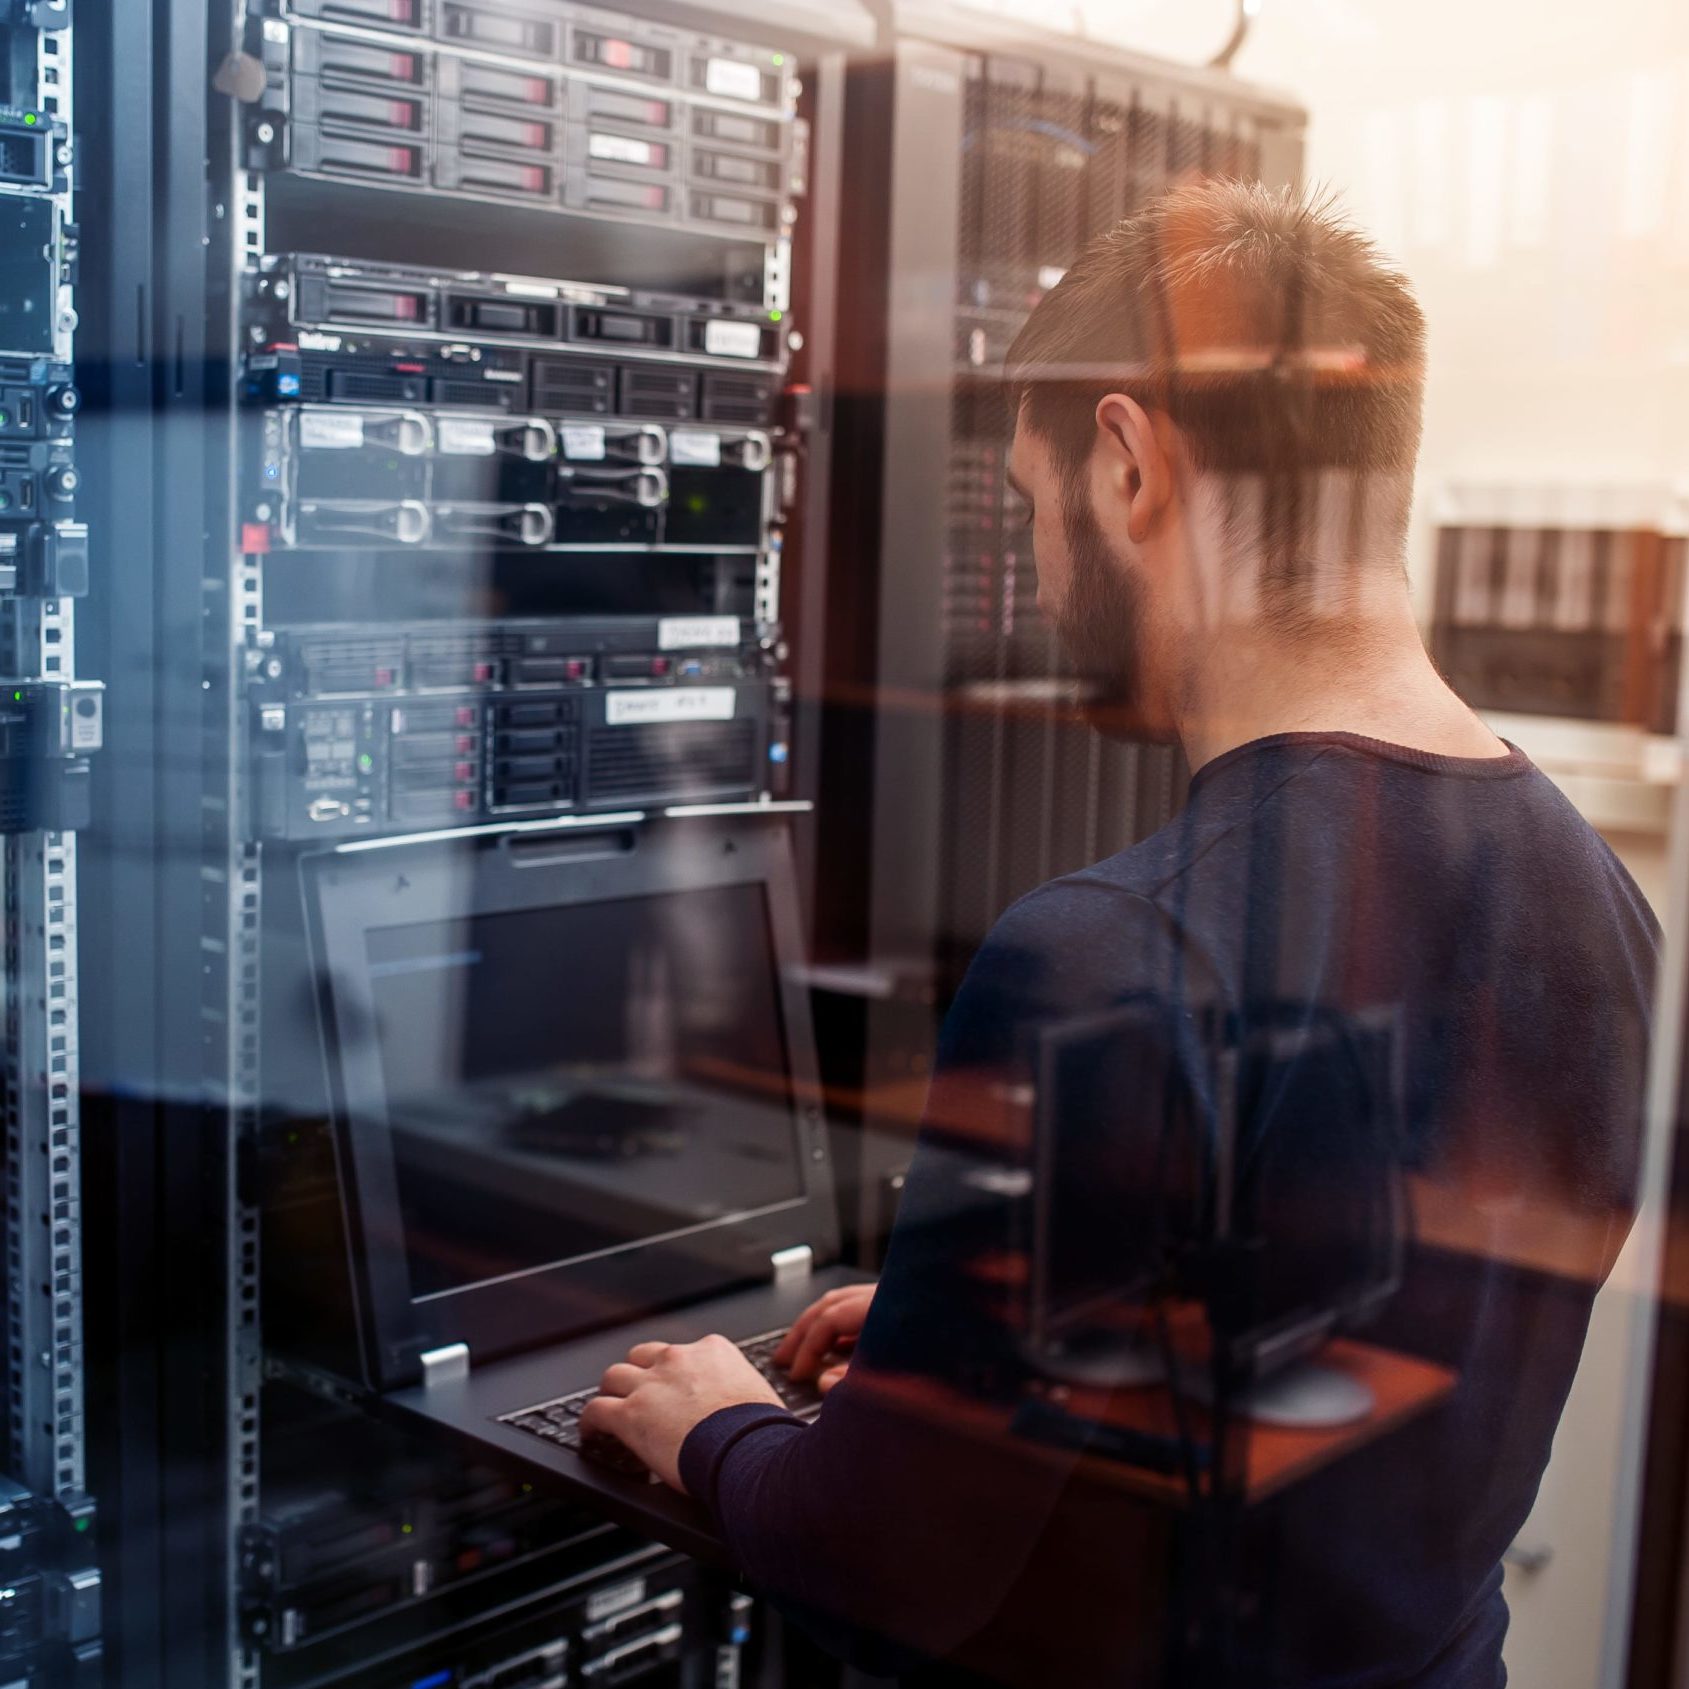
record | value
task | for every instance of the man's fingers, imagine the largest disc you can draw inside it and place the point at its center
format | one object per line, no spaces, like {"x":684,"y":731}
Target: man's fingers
{"x":844,"y":1307}
{"x":816,"y":1346}
{"x":647,"y":1354}
{"x":783,"y":1356}
{"x":623,"y":1379}
{"x":833,"y":1375}
{"x":600,"y":1416}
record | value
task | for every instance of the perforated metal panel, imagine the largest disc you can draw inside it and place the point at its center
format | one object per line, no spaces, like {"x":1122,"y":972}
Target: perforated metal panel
{"x":1049,"y":160}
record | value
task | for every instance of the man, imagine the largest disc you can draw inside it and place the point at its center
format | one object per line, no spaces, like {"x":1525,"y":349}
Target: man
{"x":1218,"y":418}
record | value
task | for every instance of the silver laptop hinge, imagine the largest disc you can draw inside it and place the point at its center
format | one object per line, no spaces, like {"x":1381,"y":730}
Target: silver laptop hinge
{"x":793,"y":1264}
{"x":449,"y":1365}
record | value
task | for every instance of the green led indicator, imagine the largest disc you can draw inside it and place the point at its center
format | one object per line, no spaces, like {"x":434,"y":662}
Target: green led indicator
{"x":776,"y":316}
{"x":30,"y":120}
{"x":365,"y":762}
{"x":779,"y":58}
{"x":17,"y":697}
{"x":83,"y":1523}
{"x":405,"y":1530}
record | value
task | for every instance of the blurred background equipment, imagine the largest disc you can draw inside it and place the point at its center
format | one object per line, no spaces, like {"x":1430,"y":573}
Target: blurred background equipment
{"x":986,"y":154}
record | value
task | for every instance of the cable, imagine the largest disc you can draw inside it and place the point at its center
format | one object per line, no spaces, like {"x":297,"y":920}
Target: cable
{"x":1247,"y":12}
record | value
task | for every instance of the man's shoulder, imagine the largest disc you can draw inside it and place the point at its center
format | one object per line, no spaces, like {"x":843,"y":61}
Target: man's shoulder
{"x":1090,"y":902}
{"x":1085,"y":938}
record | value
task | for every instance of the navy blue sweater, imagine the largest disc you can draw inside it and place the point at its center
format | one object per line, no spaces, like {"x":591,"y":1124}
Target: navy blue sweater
{"x":1470,"y":901}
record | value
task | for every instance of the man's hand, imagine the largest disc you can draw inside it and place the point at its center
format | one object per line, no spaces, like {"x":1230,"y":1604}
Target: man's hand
{"x":652,"y":1400}
{"x":823,"y":1331}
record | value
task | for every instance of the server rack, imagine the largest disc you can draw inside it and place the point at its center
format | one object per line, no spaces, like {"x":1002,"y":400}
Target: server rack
{"x":950,"y":744}
{"x":261,"y":126}
{"x":50,"y":724}
{"x":226,"y":138}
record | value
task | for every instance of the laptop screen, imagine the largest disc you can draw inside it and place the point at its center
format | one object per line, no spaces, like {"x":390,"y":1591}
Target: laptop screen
{"x":568,"y":1082}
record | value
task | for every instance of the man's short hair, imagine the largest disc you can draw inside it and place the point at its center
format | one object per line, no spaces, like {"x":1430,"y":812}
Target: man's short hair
{"x":1268,"y":328}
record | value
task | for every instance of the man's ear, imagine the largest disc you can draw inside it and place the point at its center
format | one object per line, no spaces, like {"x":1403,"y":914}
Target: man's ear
{"x":1135,"y":462}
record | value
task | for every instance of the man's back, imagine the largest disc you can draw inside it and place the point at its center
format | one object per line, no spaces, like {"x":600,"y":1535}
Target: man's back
{"x":1329,"y":877}
{"x":1468,"y":900}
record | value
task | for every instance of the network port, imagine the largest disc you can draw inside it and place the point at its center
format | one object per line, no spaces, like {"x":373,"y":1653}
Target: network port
{"x":26,"y":151}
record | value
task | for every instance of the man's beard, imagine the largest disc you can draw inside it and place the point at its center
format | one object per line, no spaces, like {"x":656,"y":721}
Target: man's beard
{"x":1101,"y":627}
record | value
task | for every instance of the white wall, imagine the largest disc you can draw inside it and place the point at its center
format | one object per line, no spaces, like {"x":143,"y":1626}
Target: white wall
{"x":1527,"y":162}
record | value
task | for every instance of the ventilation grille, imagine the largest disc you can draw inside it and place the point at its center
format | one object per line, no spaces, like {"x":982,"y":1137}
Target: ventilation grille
{"x":565,"y":384}
{"x":738,"y":398}
{"x":692,"y":759}
{"x":669,"y":394}
{"x":372,"y":386}
{"x":364,"y":667}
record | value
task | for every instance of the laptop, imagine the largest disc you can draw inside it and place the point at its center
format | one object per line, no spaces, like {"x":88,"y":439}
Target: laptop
{"x":576,"y":1106}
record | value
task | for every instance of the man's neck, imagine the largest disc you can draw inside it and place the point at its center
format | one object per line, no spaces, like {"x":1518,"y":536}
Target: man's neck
{"x":1375,"y":680}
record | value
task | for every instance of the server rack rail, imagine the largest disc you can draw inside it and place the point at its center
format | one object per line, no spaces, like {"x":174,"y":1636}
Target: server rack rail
{"x":50,"y":723}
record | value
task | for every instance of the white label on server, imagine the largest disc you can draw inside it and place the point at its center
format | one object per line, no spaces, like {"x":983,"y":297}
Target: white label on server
{"x":676,"y":703}
{"x":583,"y":442}
{"x":465,"y":437}
{"x":619,"y":149}
{"x":617,"y":1599}
{"x":331,"y":431}
{"x":695,"y":451}
{"x":85,"y":724}
{"x":732,"y":340}
{"x":732,"y":80}
{"x":688,"y":633}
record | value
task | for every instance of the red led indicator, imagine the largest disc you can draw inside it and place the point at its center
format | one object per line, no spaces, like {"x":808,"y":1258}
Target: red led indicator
{"x":403,"y":66}
{"x":402,"y":11}
{"x":466,"y":772}
{"x":384,"y":677}
{"x":254,"y":539}
{"x":404,"y":115}
{"x":410,"y":369}
{"x":533,"y":176}
{"x":464,"y":800}
{"x":483,"y":671}
{"x":539,"y":92}
{"x":659,"y":665}
{"x":464,"y":744}
{"x":407,"y":305}
{"x":618,"y":55}
{"x":466,"y":716}
{"x":536,"y":134}
{"x":402,"y":158}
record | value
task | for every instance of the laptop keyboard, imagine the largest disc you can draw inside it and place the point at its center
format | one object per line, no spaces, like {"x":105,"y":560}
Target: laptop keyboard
{"x":559,"y":1421}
